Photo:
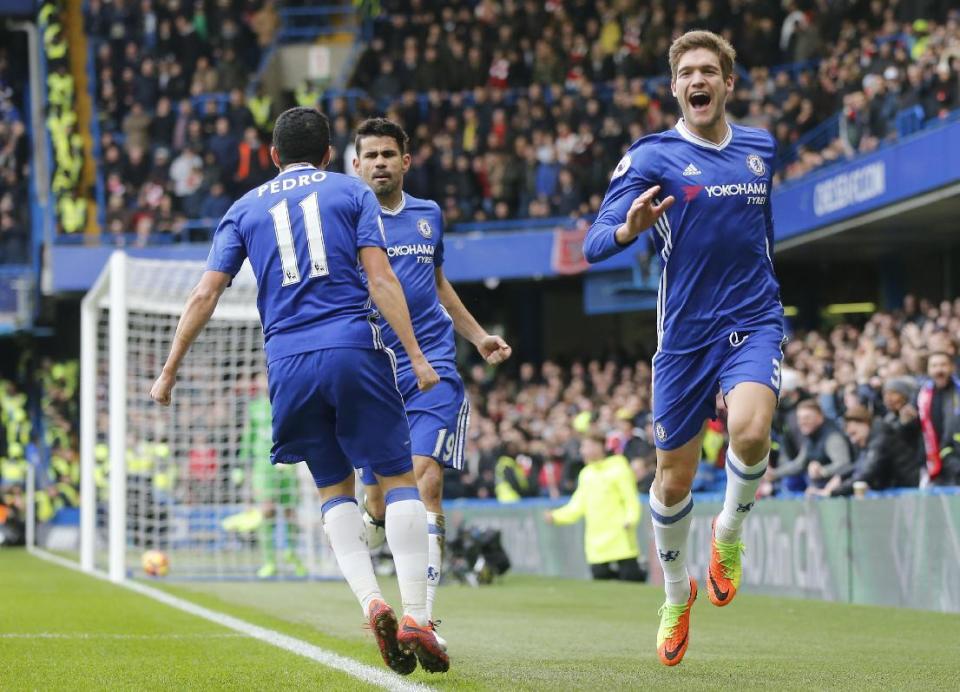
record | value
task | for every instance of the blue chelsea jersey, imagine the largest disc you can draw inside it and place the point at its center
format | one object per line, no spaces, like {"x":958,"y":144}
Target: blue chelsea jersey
{"x":414,"y":233}
{"x":302,"y":232}
{"x":715,"y":242}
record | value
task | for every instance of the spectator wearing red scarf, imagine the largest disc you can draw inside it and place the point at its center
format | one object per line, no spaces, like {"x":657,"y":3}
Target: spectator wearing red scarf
{"x":939,"y":407}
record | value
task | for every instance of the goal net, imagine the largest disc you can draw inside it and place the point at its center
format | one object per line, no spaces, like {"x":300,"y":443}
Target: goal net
{"x":192,"y":480}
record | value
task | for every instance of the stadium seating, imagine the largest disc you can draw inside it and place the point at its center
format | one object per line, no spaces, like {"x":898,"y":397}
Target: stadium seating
{"x":529,"y":129}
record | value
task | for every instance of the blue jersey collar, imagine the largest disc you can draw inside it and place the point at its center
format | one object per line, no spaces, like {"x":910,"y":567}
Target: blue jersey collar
{"x":700,"y":141}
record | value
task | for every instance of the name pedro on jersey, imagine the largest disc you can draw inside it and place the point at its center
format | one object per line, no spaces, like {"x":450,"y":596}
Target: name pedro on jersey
{"x":293,"y":182}
{"x":422,"y":251}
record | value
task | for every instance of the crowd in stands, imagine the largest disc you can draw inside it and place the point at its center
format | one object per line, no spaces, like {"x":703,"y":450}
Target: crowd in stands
{"x":39,"y":423}
{"x":14,"y":162}
{"x":517,"y":109}
{"x":535,"y":122}
{"x":877,"y":404}
{"x":873,"y":405}
{"x":180,"y":136}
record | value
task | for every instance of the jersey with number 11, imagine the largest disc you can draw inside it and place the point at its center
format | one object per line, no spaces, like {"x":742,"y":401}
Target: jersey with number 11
{"x":302,"y":232}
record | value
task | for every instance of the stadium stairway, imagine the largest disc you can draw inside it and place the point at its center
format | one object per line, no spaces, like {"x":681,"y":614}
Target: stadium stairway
{"x":318,"y":45}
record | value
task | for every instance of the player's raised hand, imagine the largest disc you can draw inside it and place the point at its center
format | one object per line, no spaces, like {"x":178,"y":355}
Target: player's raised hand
{"x":643,"y":213}
{"x":427,"y":377}
{"x":494,"y":349}
{"x":162,"y":389}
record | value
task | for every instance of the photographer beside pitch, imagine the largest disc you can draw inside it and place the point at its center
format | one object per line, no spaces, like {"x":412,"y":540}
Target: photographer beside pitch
{"x":704,"y":188}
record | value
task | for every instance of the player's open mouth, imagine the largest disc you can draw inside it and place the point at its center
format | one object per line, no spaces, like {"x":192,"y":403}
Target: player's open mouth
{"x":381,"y":176}
{"x":699,"y":101}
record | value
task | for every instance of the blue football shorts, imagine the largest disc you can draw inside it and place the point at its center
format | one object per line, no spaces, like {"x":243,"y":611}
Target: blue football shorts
{"x":439,"y":418}
{"x":338,"y":409}
{"x":685,"y":385}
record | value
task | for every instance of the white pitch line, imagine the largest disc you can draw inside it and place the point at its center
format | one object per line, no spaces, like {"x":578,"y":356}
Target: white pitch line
{"x":361,"y":671}
{"x":123,"y":637}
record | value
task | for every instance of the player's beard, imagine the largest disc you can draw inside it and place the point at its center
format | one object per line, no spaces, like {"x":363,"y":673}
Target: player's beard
{"x":384,"y":187}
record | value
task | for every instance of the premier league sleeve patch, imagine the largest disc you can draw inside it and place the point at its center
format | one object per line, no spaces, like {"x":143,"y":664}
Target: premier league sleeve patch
{"x":622,"y":167}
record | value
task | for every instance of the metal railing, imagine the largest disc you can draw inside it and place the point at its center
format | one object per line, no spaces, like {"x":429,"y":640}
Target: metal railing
{"x":306,"y":23}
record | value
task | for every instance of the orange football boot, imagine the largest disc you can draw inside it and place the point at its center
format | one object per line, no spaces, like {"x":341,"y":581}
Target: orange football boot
{"x":725,"y":570}
{"x":421,"y":641}
{"x":673,"y":636}
{"x":383,"y":623}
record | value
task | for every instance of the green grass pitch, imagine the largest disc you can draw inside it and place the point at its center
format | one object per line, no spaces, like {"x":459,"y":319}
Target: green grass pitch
{"x":60,"y":629}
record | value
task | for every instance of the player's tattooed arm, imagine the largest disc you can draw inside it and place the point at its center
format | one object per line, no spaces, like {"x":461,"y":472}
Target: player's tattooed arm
{"x":491,"y":347}
{"x":387,"y":293}
{"x":643,"y":213}
{"x":197,"y":312}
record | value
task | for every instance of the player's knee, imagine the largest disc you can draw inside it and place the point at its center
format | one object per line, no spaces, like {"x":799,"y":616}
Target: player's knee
{"x":429,"y":476}
{"x":673,"y":488}
{"x":430,"y":492}
{"x":750,"y":442}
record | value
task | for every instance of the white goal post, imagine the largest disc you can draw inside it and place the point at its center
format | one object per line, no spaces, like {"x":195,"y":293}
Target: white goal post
{"x":182,"y":479}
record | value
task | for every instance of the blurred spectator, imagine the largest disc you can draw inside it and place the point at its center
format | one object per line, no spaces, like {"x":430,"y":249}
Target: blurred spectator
{"x":224,"y":146}
{"x":514,"y":473}
{"x":185,"y":173}
{"x":253,"y":161}
{"x":14,"y":160}
{"x":904,"y":436}
{"x":876,"y":460}
{"x":824,"y":451}
{"x":216,"y":203}
{"x":136,"y":126}
{"x":264,"y":23}
{"x":939,"y":405}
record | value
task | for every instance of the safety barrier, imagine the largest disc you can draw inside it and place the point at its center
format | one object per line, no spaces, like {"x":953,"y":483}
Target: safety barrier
{"x":896,"y":550}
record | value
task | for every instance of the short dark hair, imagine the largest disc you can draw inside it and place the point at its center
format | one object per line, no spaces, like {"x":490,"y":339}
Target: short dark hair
{"x":811,"y":404}
{"x":381,"y":127}
{"x":301,"y":135}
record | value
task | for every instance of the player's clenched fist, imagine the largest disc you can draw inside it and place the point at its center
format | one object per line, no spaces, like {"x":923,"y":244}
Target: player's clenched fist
{"x":494,"y":349}
{"x":162,"y":389}
{"x":426,"y":375}
{"x":642,"y":215}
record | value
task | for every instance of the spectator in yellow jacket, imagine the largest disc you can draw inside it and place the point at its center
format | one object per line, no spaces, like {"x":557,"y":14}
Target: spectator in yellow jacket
{"x":606,"y":497}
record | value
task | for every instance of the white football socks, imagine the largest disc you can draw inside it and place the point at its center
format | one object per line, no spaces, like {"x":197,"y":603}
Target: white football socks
{"x":671,"y":526}
{"x":344,"y":527}
{"x":742,"y":484}
{"x":406,"y":520}
{"x":436,"y":534}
